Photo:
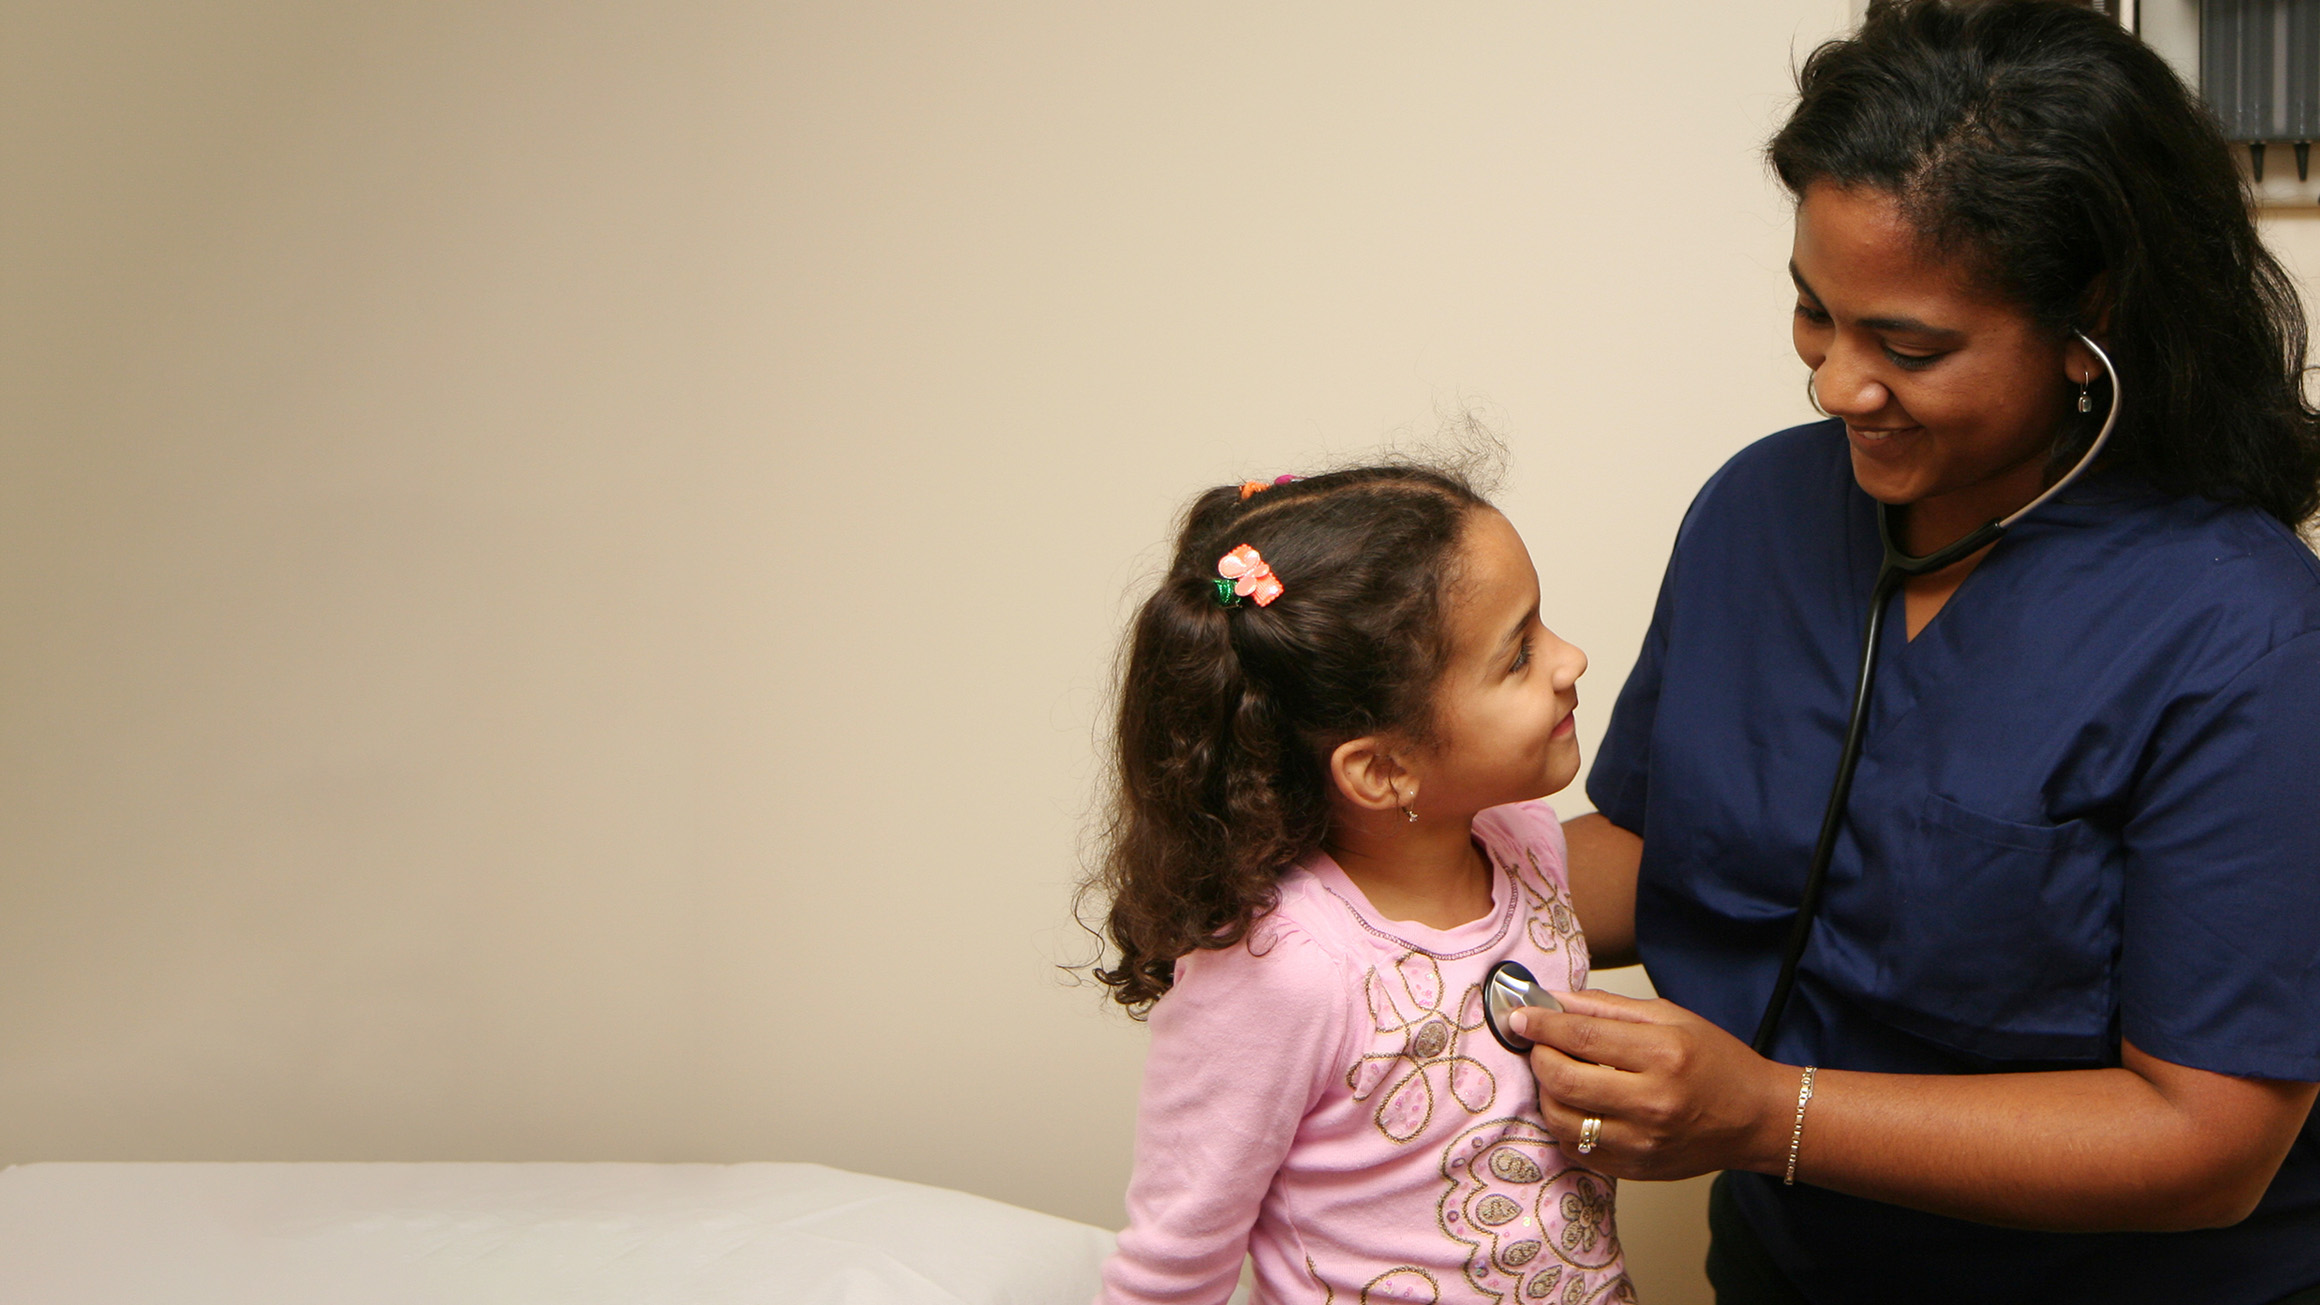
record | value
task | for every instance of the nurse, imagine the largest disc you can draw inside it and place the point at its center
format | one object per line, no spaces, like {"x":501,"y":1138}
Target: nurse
{"x":2060,"y":1011}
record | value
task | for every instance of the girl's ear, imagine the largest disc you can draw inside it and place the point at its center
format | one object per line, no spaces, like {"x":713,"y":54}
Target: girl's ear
{"x":1367,"y":774}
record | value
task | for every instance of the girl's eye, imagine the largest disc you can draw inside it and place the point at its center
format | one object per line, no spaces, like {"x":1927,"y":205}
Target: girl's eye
{"x":1522,"y":656}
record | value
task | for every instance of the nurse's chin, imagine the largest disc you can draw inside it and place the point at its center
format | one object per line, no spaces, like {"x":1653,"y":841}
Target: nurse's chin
{"x":1892,"y":484}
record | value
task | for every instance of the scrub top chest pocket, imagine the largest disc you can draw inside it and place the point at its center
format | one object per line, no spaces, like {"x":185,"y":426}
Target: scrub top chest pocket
{"x":2004,"y":936}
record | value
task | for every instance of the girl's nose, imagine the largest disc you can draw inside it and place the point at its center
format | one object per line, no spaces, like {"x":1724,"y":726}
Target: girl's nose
{"x":1570,"y":664}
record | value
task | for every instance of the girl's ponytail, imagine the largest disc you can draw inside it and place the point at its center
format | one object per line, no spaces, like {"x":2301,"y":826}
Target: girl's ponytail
{"x":1228,"y":714}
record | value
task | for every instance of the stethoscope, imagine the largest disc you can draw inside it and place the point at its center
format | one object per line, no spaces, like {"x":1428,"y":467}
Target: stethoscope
{"x":1510,"y":987}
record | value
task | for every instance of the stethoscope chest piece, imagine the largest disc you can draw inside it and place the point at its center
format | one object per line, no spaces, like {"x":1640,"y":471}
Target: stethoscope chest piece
{"x":1508,"y":988}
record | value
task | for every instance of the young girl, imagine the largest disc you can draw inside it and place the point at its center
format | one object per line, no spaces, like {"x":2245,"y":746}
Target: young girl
{"x":1339,"y":712}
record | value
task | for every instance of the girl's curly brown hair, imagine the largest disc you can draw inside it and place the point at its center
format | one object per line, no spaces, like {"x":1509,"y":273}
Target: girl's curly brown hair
{"x":1228,"y":715}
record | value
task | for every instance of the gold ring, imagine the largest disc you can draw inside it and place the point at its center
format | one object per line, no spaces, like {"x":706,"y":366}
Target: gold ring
{"x":1590,"y":1132}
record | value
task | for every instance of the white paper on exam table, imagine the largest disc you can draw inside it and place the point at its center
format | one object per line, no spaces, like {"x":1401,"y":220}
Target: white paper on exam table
{"x":523,"y":1234}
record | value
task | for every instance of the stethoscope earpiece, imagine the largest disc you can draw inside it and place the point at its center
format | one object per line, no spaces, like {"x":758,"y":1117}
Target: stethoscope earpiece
{"x":1508,"y":988}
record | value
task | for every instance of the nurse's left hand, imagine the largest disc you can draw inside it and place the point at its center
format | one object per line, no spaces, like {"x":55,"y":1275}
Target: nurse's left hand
{"x":1677,"y":1095}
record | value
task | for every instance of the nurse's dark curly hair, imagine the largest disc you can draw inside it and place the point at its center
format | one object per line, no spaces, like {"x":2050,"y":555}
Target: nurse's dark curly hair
{"x":2066,"y":160}
{"x":1228,"y":715}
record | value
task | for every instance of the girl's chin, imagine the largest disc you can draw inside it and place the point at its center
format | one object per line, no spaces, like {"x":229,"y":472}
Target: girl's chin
{"x":1560,"y":777}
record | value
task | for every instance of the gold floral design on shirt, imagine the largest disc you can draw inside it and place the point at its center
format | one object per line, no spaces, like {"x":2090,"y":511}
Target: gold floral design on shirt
{"x":1547,"y":918}
{"x":1537,"y":1227}
{"x":1422,"y":1036}
{"x":1405,"y":1284}
{"x":1586,"y":1218}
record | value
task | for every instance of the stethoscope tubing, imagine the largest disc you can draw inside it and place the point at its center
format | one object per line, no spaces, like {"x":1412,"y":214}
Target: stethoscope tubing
{"x":1894,"y":571}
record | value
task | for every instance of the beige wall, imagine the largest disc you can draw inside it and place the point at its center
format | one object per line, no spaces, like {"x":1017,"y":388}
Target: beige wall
{"x":559,"y":562}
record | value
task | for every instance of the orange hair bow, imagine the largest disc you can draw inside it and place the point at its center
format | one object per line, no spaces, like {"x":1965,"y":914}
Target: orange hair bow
{"x":1242,"y":573}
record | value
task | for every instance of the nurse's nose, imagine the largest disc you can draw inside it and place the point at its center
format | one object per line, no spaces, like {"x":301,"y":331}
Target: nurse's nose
{"x":1844,"y":389}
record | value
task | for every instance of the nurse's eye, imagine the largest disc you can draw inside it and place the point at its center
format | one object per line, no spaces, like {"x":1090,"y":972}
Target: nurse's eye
{"x":1811,"y":314}
{"x":1911,"y":362}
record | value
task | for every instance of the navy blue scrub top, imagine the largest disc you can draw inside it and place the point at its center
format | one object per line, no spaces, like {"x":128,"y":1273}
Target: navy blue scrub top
{"x":2088,"y":808}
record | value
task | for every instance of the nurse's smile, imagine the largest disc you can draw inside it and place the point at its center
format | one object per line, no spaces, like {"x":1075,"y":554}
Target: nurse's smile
{"x":1890,"y":445}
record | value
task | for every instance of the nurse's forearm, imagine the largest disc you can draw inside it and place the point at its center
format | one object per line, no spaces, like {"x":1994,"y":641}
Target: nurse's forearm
{"x":2150,"y":1147}
{"x":1603,"y":863}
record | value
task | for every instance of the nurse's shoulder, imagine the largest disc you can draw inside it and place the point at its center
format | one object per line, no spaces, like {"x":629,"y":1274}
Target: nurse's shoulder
{"x":2229,"y":558}
{"x":1788,"y":483}
{"x":2215,"y":587}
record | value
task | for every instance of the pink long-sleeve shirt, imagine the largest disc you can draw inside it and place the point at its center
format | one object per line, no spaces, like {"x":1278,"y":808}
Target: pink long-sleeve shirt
{"x":1327,"y":1100}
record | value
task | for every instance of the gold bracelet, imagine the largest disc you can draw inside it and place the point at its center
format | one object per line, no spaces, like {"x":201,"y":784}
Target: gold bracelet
{"x":1796,"y":1137}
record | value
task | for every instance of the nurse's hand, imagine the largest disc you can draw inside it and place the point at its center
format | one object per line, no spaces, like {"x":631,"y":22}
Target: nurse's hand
{"x":1677,"y":1095}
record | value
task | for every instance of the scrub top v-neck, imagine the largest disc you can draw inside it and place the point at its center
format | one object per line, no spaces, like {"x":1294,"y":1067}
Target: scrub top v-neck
{"x":2087,"y":809}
